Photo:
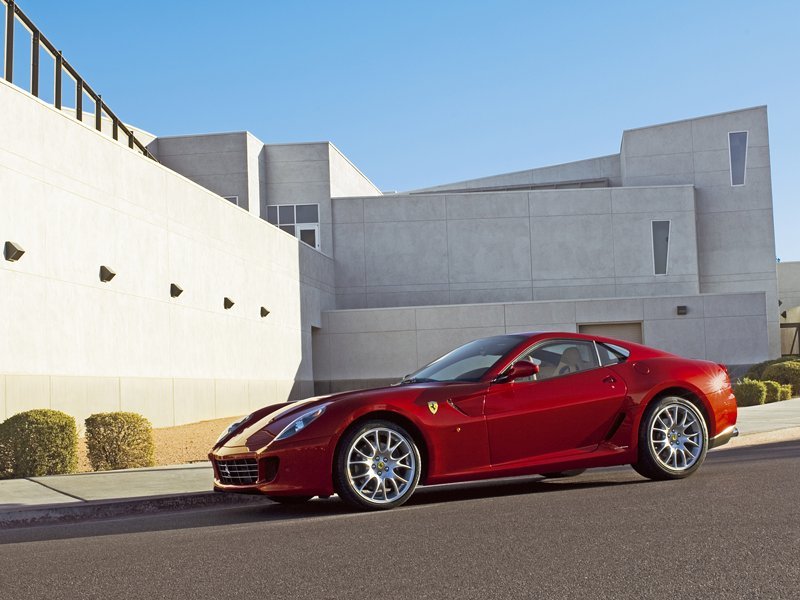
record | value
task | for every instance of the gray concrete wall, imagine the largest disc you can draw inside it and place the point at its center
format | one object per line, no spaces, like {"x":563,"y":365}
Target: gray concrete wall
{"x":225,"y":163}
{"x":789,"y":284}
{"x":299,"y":174}
{"x":735,"y":231}
{"x":789,"y":294}
{"x":359,"y":348}
{"x":604,"y":167}
{"x":75,"y":200}
{"x":423,"y":249}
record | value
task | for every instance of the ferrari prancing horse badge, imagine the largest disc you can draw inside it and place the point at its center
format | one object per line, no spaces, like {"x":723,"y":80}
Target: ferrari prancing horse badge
{"x":433,"y":406}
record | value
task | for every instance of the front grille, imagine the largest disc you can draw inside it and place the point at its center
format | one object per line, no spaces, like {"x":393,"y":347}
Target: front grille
{"x":243,"y":471}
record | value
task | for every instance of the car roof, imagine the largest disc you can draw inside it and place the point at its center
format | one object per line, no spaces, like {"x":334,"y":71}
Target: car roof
{"x":637,"y":350}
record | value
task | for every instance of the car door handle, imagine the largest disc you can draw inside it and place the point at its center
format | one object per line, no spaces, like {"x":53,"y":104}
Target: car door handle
{"x":610,"y":379}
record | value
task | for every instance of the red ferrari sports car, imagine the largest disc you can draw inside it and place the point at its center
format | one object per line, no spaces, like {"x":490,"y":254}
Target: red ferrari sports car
{"x":537,"y":403}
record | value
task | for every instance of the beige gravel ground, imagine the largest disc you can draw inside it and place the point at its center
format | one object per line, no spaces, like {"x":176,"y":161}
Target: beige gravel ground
{"x":176,"y":445}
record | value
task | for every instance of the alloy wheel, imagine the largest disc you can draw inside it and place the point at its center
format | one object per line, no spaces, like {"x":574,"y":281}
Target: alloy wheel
{"x":381,"y":465}
{"x":676,"y":437}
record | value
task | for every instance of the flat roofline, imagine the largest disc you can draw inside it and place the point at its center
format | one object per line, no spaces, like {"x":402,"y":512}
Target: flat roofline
{"x":212,"y":134}
{"x":461,"y":192}
{"x":508,"y":173}
{"x":719,"y":114}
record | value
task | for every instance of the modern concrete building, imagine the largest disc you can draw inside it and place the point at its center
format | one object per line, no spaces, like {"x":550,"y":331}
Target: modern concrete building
{"x":669,"y":242}
{"x":247,"y":273}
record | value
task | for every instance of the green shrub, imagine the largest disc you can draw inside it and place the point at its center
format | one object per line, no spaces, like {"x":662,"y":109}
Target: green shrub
{"x":750,"y":392}
{"x":119,"y":440}
{"x":757,"y":370}
{"x":786,"y":392}
{"x":773,"y":391}
{"x":38,"y":442}
{"x":786,"y":372}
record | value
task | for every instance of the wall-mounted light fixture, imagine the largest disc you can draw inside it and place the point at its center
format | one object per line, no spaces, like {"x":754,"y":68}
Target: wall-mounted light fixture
{"x":175,"y":290}
{"x":106,"y":274}
{"x":682,"y":309}
{"x":227,"y":303}
{"x":264,"y":311}
{"x":12,"y":252}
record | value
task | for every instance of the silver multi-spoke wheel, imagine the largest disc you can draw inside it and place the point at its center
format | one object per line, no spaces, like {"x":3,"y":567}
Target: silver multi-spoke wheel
{"x":673,"y":439}
{"x":381,"y":465}
{"x":676,"y":436}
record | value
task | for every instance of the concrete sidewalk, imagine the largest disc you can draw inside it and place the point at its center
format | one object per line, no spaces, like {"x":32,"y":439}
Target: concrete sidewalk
{"x":60,"y":498}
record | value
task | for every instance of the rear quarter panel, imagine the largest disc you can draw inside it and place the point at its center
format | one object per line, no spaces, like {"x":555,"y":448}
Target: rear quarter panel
{"x":650,"y":378}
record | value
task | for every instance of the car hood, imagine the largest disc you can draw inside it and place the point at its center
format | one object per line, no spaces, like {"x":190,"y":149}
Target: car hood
{"x":260,"y":420}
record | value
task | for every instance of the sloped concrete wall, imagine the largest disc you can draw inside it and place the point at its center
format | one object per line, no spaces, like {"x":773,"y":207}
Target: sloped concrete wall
{"x":75,"y":200}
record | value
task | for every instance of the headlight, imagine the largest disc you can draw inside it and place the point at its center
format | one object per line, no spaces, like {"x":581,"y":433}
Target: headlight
{"x":230,"y":429}
{"x":301,"y":422}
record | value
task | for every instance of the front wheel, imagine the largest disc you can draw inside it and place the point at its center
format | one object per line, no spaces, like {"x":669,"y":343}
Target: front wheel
{"x":377,"y":466}
{"x":673,"y":439}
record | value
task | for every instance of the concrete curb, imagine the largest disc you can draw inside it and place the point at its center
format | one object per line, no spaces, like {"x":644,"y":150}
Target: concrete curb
{"x":52,"y":514}
{"x":788,"y":434}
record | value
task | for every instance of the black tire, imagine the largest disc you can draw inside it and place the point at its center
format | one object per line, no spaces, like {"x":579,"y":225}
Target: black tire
{"x":674,"y":446}
{"x":290,"y":499}
{"x":563,"y":474}
{"x":378,"y":469}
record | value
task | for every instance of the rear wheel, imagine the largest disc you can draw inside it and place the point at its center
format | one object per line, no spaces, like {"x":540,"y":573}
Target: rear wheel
{"x":377,"y":466}
{"x":673,"y":439}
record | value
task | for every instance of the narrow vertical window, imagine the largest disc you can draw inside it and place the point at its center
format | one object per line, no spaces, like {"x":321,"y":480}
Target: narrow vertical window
{"x":737,"y":147}
{"x":660,"y":246}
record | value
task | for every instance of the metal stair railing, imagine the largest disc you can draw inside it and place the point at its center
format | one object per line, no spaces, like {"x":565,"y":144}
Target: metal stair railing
{"x":14,"y":13}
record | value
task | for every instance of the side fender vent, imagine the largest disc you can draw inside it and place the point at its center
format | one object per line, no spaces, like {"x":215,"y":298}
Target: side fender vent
{"x":615,"y":426}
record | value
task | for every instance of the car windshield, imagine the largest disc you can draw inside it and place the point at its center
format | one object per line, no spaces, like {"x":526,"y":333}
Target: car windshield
{"x":469,"y":362}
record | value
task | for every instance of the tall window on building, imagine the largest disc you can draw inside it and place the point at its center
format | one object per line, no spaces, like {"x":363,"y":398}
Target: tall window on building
{"x":737,"y":148}
{"x":660,"y":246}
{"x":300,"y":220}
{"x":232,"y":199}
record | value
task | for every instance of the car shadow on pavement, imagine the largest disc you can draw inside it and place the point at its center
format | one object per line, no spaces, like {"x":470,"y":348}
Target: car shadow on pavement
{"x":322,"y":509}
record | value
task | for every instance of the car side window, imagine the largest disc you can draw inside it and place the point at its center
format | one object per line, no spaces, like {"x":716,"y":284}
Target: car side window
{"x":611,"y":354}
{"x":562,"y":357}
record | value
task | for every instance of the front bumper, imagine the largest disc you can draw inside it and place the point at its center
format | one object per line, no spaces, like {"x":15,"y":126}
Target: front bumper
{"x":302,"y":468}
{"x":723,"y":437}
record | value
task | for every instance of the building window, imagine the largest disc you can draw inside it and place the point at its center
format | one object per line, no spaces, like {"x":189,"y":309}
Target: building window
{"x":232,"y":199}
{"x":660,"y":247}
{"x":300,"y":220}
{"x":737,"y":149}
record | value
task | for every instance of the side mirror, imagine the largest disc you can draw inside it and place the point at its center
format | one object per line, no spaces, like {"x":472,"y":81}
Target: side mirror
{"x":520,"y":370}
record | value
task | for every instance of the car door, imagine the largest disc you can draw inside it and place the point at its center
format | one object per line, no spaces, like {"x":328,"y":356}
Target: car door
{"x":570,"y":405}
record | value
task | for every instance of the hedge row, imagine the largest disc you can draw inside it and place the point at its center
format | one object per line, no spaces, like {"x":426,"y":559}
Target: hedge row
{"x":777,"y":378}
{"x":750,"y":392}
{"x":38,"y":442}
{"x":784,"y":373}
{"x":757,"y":370}
{"x":119,"y":440}
{"x":45,"y":442}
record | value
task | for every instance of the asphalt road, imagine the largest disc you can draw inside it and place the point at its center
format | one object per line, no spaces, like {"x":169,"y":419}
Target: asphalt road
{"x":730,"y":531}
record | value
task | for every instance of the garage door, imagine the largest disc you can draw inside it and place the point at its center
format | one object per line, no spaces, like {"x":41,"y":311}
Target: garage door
{"x":632,"y":332}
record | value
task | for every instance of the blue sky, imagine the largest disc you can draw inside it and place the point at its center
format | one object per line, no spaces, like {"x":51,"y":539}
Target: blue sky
{"x":420,"y":93}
